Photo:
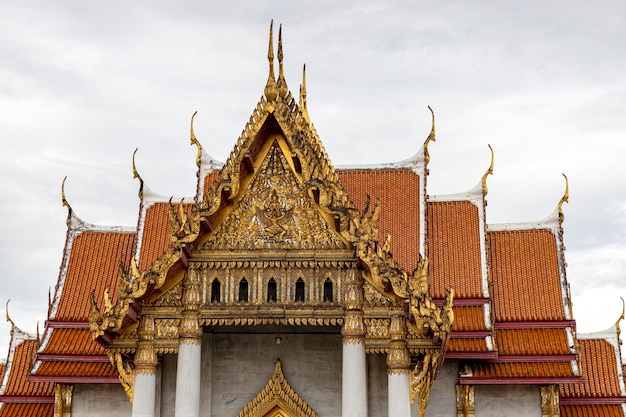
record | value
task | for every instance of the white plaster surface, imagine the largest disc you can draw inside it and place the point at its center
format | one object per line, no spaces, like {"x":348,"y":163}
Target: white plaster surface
{"x":188,"y":381}
{"x":168,"y":385}
{"x":100,"y":400}
{"x":507,"y":400}
{"x":144,"y":404}
{"x":399,"y":402}
{"x":377,"y":384}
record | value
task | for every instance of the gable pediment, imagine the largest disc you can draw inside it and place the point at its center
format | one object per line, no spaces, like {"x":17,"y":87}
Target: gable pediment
{"x":274,"y":209}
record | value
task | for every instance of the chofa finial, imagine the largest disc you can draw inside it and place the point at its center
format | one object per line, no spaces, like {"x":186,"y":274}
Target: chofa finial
{"x":136,"y":175}
{"x":65,"y":203}
{"x":431,"y":137}
{"x":9,"y":318}
{"x":271,"y":89}
{"x":565,"y":199}
{"x":489,"y":172}
{"x":194,"y":141}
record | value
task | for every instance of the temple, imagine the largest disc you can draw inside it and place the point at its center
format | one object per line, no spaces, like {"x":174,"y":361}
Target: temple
{"x":290,"y":287}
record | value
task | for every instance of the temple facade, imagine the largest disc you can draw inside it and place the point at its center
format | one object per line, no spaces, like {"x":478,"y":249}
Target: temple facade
{"x":290,"y":287}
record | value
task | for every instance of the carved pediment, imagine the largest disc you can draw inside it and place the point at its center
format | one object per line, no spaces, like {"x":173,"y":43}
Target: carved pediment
{"x":276,"y":399}
{"x":275,"y":211}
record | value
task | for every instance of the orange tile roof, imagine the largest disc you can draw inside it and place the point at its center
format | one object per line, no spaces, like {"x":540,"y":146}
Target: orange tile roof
{"x":467,"y":345}
{"x":532,"y":342}
{"x":468,"y":318}
{"x":19,"y":369}
{"x":77,"y":369}
{"x":398,"y":191}
{"x":26,"y":410}
{"x":93,"y":264}
{"x":454,"y":249}
{"x":208,"y":180}
{"x":3,"y":368}
{"x":523,"y":370}
{"x":72,"y":342}
{"x":156,"y":234}
{"x":591,"y":411}
{"x":599,"y":365}
{"x":525,"y":275}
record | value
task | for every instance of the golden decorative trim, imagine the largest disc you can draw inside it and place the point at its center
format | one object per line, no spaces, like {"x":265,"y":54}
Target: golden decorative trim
{"x":422,"y":380}
{"x":550,"y":401}
{"x":145,"y":358}
{"x":398,"y":358}
{"x":302,"y":103}
{"x":126,"y":373}
{"x":194,"y":141}
{"x":431,"y":137}
{"x":281,"y":83}
{"x":465,"y":400}
{"x":353,"y":329}
{"x":277,"y":394}
{"x":63,"y":400}
{"x":65,"y":203}
{"x":271,"y":89}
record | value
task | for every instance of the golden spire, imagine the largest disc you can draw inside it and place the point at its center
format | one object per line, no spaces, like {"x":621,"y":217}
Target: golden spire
{"x":136,"y":175}
{"x":271,"y":90}
{"x":565,"y":199}
{"x":194,"y":141}
{"x":9,"y":318}
{"x":282,"y":84}
{"x":489,"y":172}
{"x":302,"y":103}
{"x":431,"y":137}
{"x":65,"y":203}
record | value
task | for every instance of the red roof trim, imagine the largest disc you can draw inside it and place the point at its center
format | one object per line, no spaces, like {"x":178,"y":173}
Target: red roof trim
{"x":464,"y":302}
{"x":467,"y":380}
{"x":75,"y":379}
{"x":470,"y":334}
{"x":26,"y":399}
{"x":71,"y":358}
{"x":471,"y":355}
{"x":560,"y":324}
{"x":534,"y":358}
{"x":592,"y":400}
{"x":53,"y":324}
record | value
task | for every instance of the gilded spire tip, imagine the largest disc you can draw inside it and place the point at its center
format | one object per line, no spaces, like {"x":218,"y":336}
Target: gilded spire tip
{"x":282,"y":84}
{"x":564,"y":199}
{"x":302,"y":102}
{"x":271,"y":89}
{"x":617,"y":328}
{"x":8,"y":318}
{"x":194,"y":141}
{"x":65,"y":203}
{"x":489,"y":172}
{"x":431,"y":137}
{"x":136,"y":175}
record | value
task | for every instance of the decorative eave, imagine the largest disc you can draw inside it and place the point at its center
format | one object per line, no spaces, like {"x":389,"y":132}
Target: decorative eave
{"x":18,"y":337}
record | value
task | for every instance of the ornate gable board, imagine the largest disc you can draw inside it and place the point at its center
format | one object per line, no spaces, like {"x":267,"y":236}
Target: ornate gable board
{"x":276,"y":398}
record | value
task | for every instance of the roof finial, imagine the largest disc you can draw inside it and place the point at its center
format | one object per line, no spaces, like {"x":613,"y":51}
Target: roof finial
{"x":302,"y":104}
{"x":565,"y":199}
{"x":136,"y":175}
{"x":9,"y":318}
{"x":489,"y":172}
{"x":38,"y":338}
{"x":431,"y":137}
{"x":282,"y":84}
{"x":617,"y":328}
{"x":194,"y":141}
{"x":65,"y":203}
{"x":271,"y":90}
{"x":49,"y":301}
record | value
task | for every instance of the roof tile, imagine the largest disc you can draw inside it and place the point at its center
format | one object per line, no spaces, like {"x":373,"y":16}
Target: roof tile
{"x":72,"y":342}
{"x":591,"y":411}
{"x":77,"y":369}
{"x":532,"y":342}
{"x":26,"y":410}
{"x":21,"y":365}
{"x":523,"y":370}
{"x":454,"y":249}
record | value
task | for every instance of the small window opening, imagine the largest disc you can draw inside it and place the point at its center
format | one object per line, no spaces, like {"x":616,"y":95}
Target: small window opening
{"x":243,"y":290}
{"x":328,"y":291}
{"x":215,"y":291}
{"x":271,"y":290}
{"x":299,"y":290}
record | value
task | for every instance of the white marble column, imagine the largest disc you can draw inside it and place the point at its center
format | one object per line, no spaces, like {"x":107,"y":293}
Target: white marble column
{"x":189,"y":349}
{"x":399,"y":363}
{"x":144,"y":391}
{"x":354,"y":363}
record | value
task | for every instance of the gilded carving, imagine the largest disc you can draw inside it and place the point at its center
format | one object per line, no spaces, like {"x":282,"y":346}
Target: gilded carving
{"x":63,"y":400}
{"x":465,"y":401}
{"x":353,"y":330}
{"x":145,"y":356}
{"x":377,"y":328}
{"x":277,"y":394}
{"x":126,"y":373}
{"x":422,"y":378}
{"x":398,"y":359}
{"x":550,"y":401}
{"x":167,"y":328}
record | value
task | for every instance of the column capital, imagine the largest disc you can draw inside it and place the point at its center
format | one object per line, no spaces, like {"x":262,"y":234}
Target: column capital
{"x":398,"y":358}
{"x":145,"y":357}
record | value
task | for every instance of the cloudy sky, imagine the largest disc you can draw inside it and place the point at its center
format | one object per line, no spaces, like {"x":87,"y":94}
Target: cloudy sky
{"x":82,"y":84}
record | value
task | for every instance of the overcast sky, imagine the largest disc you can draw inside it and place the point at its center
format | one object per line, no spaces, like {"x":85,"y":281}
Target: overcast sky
{"x":82,"y":84}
